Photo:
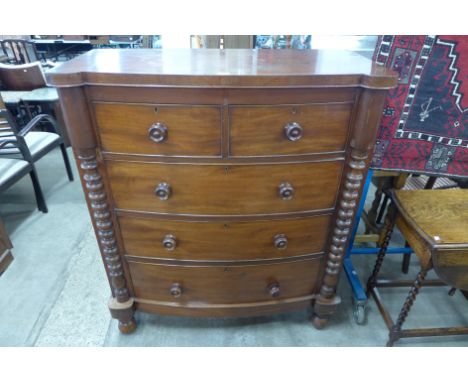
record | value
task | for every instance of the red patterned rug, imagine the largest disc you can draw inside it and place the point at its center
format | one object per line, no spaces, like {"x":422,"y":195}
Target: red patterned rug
{"x":424,"y":127}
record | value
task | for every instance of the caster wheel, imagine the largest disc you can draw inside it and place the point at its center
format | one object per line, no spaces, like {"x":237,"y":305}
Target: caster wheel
{"x":359,"y":313}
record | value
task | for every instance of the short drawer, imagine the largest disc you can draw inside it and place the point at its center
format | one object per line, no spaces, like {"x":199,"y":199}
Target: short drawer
{"x":225,"y":284}
{"x":288,"y":130}
{"x":159,"y":129}
{"x":224,"y":190}
{"x":223,"y":241}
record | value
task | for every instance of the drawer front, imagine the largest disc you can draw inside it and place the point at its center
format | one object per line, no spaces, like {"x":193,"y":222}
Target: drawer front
{"x":224,"y":190}
{"x":288,"y":130}
{"x":224,"y":284}
{"x":159,"y":129}
{"x":224,"y":241}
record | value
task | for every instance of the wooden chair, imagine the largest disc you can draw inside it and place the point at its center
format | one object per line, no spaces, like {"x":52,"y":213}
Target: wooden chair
{"x":435,"y":224}
{"x":38,"y":143}
{"x":22,"y":77}
{"x":19,"y":51}
{"x":17,"y":81}
{"x":13,"y":169}
{"x":25,"y":78}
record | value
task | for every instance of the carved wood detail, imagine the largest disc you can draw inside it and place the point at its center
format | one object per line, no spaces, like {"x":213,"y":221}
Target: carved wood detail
{"x":396,"y":329}
{"x":353,"y":178}
{"x":101,"y":215}
{"x":389,"y":226}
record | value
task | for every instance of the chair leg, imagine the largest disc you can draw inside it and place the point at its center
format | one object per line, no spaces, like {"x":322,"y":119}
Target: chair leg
{"x":390,"y":224}
{"x":430,"y":183}
{"x":406,"y":260}
{"x":395,"y":331}
{"x":66,"y":161}
{"x":371,"y":215}
{"x":41,"y":204}
{"x":382,"y":209}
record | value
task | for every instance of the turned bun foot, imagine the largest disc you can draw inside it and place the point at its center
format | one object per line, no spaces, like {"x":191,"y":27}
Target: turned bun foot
{"x":127,"y":327}
{"x":319,"y":322}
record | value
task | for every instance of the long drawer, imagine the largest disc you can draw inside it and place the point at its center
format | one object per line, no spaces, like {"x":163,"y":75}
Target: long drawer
{"x":288,"y":129}
{"x":225,"y":284}
{"x":224,"y":189}
{"x":223,"y":241}
{"x":159,"y":129}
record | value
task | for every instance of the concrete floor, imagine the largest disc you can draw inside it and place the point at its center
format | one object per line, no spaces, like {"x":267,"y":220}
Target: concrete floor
{"x":55,"y":292}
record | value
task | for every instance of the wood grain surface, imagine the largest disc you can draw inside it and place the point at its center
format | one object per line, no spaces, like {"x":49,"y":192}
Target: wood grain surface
{"x":196,"y":309}
{"x":435,"y":223}
{"x":221,"y":68}
{"x":224,"y":190}
{"x":191,"y":130}
{"x":440,"y":215}
{"x":225,"y":284}
{"x":259,"y":130}
{"x":223,"y":241}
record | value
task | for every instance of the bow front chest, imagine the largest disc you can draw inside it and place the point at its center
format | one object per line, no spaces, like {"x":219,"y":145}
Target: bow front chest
{"x":221,"y":182}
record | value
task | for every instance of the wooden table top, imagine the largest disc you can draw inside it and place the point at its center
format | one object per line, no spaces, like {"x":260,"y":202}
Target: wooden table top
{"x":439,"y":216}
{"x":221,"y":68}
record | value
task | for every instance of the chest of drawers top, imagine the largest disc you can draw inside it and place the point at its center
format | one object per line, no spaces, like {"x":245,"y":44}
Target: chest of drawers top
{"x":221,"y":68}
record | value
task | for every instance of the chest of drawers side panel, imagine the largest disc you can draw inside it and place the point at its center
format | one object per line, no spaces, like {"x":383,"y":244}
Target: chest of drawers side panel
{"x":100,"y":204}
{"x":363,"y":130}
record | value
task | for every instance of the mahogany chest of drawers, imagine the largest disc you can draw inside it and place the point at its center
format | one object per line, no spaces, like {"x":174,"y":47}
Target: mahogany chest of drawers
{"x":221,"y":182}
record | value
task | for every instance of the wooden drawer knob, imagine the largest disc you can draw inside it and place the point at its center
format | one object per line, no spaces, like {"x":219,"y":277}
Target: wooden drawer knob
{"x":280,"y":241}
{"x":169,"y":242}
{"x":274,"y":289}
{"x":286,"y":191}
{"x":163,"y":191}
{"x":293,"y":131}
{"x":176,"y":290}
{"x":157,"y":132}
